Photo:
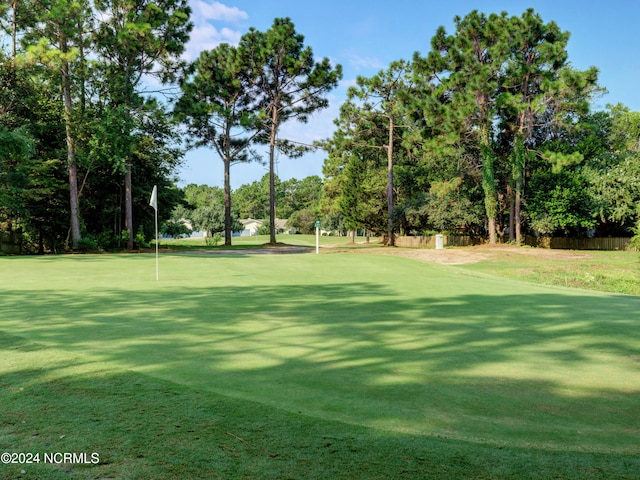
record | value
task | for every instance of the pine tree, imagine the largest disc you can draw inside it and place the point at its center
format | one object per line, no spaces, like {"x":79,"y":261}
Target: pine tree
{"x":290,"y":86}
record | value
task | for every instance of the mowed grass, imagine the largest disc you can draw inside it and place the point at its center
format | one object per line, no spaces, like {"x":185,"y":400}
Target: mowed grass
{"x":241,"y":243}
{"x":616,"y":272}
{"x":312,"y":366}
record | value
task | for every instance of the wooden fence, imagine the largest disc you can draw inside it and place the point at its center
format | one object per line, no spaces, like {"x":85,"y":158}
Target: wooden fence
{"x":566,"y":243}
{"x":430,"y":241}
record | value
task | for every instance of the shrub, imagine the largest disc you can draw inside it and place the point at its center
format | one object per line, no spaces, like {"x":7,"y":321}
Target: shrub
{"x":88,"y":244}
{"x":140,"y":240}
{"x":213,"y":241}
{"x":634,"y":244}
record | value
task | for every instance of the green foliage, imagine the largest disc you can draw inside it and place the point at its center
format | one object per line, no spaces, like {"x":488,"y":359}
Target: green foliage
{"x":56,"y":40}
{"x":635,"y":240}
{"x":265,"y":228}
{"x":295,"y":195}
{"x":495,"y":103}
{"x":613,"y":172}
{"x":214,"y":240}
{"x":175,"y":229}
{"x":220,"y":109}
{"x":133,"y":40}
{"x":371,"y":116}
{"x":124,"y":236}
{"x":16,"y":152}
{"x":505,"y":72}
{"x":363,"y":203}
{"x":560,"y":205}
{"x":34,"y":188}
{"x":175,"y":226}
{"x":303,"y":220}
{"x":145,"y":35}
{"x":140,"y":240}
{"x":289,"y":85}
{"x":209,"y":218}
{"x":469,"y":64}
{"x":365,"y":149}
{"x":218,"y":104}
{"x":197,"y":196}
{"x":252,"y":200}
{"x":452,"y":210}
{"x":88,"y":244}
{"x":560,"y":161}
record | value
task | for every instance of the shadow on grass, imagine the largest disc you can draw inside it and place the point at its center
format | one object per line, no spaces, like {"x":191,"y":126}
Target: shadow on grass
{"x":142,"y":427}
{"x":541,"y":370}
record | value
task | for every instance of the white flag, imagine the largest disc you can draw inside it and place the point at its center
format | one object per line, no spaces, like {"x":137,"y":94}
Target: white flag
{"x":154,"y":198}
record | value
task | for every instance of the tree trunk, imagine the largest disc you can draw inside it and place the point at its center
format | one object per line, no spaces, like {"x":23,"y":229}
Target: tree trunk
{"x":390,"y":236}
{"x":227,"y":202}
{"x":128,"y":180}
{"x":14,"y":31}
{"x":492,"y":230}
{"x":73,"y":197}
{"x":40,"y":241}
{"x":272,"y":175}
{"x":71,"y":154}
{"x":512,"y":212}
{"x":489,"y":185}
{"x":128,"y":204}
{"x":519,"y":170}
{"x":518,"y":218}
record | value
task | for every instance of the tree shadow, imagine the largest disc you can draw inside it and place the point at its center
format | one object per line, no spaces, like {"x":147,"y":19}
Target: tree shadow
{"x":545,"y":370}
{"x":143,"y":427}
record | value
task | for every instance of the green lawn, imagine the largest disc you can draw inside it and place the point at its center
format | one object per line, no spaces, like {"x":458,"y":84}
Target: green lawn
{"x":616,"y":272}
{"x":261,"y":240}
{"x":312,"y":366}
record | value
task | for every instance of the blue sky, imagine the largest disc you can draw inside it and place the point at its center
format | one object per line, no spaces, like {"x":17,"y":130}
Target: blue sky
{"x":365,"y":36}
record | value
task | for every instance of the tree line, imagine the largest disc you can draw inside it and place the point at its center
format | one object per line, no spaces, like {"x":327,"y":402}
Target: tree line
{"x":83,"y":140}
{"x":95,"y":101}
{"x":490,"y":132}
{"x":203,"y":207}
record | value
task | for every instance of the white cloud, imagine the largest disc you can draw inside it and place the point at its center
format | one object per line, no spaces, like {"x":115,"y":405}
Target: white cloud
{"x":319,"y":127}
{"x":345,"y":84}
{"x":364,"y":63}
{"x":216,"y":11}
{"x":206,"y":36}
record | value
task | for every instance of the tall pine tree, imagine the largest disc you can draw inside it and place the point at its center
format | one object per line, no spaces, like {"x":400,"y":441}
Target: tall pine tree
{"x":290,"y":86}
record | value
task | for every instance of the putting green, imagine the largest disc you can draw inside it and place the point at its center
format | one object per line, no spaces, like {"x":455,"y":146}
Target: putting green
{"x":375,"y":340}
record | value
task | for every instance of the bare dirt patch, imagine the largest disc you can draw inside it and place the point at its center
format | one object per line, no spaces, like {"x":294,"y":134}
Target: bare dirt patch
{"x":447,"y":256}
{"x":462,"y":255}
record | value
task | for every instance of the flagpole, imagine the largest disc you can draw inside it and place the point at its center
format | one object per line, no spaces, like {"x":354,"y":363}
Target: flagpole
{"x":156,"y":210}
{"x":154,"y":203}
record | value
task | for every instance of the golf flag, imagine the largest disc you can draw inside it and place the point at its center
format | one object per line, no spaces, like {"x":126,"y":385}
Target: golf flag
{"x":154,"y":203}
{"x":154,"y":198}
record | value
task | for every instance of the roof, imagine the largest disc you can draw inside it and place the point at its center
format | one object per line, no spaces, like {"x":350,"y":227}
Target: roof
{"x":280,"y":223}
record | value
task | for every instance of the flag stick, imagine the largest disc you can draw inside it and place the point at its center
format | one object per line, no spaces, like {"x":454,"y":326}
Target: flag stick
{"x":154,"y":203}
{"x":156,"y":210}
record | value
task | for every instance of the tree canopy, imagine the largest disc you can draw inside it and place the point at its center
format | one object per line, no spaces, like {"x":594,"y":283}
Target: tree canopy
{"x":490,"y":131}
{"x":476,"y":122}
{"x":290,"y":85}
